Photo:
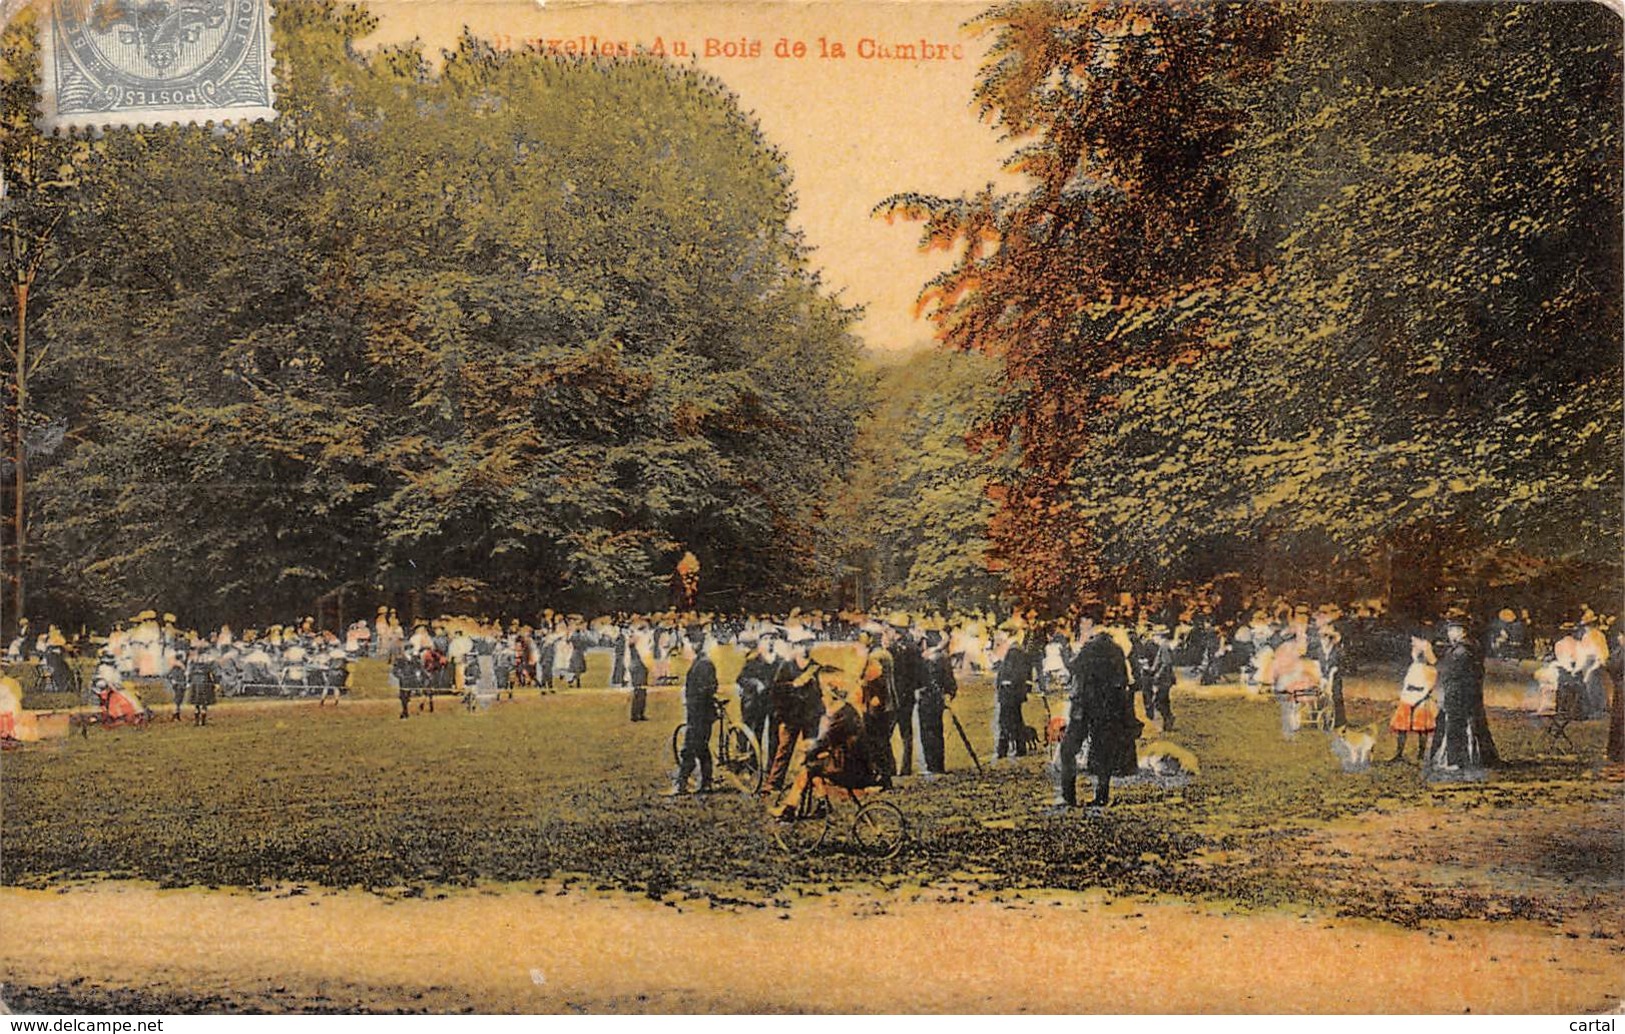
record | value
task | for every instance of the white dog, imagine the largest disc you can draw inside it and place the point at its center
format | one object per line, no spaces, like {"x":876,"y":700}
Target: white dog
{"x":1353,"y":748}
{"x":1167,"y":760}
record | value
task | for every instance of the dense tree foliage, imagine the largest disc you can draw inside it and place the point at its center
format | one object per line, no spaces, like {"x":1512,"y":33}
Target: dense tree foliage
{"x":41,"y":180}
{"x":519,"y":329}
{"x":1366,"y":338}
{"x":1429,"y":376}
{"x":1326,"y":296}
{"x":1125,"y":114}
{"x":915,"y":509}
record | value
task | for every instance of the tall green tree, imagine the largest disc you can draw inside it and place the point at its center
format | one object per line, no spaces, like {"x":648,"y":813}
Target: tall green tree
{"x":515,"y":329}
{"x":1328,"y":297}
{"x":1423,"y":395}
{"x":39,"y":181}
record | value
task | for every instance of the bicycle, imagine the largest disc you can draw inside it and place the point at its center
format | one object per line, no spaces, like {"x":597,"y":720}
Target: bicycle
{"x":878,"y":827}
{"x":737,"y":753}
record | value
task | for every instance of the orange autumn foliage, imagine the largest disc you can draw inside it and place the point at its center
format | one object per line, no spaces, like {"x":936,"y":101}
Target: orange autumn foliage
{"x":1110,"y":262}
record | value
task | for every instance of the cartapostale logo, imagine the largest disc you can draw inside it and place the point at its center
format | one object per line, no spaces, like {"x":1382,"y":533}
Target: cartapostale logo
{"x":128,"y":62}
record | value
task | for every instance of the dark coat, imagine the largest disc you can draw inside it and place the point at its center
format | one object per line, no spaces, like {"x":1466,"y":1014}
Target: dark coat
{"x":1144,"y":655}
{"x":200,"y":684}
{"x":1100,"y":700}
{"x":837,"y":750}
{"x":636,"y":670}
{"x":700,"y":690}
{"x":1464,"y":732}
{"x":876,"y":683}
{"x":908,"y":669}
{"x":754,"y":682}
{"x":1161,"y":669}
{"x":940,"y":683}
{"x":797,"y":699}
{"x":1014,"y":677}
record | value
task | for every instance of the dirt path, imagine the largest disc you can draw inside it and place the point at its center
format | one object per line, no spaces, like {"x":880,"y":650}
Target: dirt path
{"x":528,"y":949}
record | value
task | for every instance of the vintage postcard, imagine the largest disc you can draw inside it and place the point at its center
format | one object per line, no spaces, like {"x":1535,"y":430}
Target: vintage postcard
{"x":1049,"y":506}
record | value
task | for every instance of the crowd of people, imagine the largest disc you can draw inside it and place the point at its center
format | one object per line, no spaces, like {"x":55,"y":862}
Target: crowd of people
{"x":898,"y":676}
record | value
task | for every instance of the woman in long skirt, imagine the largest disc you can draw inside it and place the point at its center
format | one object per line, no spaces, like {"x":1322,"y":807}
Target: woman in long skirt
{"x":1464,"y":739}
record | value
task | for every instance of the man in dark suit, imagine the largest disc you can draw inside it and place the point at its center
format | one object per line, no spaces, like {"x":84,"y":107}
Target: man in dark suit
{"x":755,"y":681}
{"x":1100,"y":712}
{"x":699,"y":711}
{"x":939,"y":688}
{"x":1012,"y":678}
{"x":1142,"y":655}
{"x":1331,"y":667}
{"x":1160,"y":677}
{"x":797,"y":707}
{"x":908,"y":673}
{"x":639,"y":660}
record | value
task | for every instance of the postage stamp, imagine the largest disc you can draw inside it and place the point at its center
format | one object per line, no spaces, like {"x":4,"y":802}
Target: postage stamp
{"x":140,"y":62}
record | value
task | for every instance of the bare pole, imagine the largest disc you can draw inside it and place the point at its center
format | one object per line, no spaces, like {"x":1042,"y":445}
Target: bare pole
{"x":19,"y":520}
{"x":19,"y":285}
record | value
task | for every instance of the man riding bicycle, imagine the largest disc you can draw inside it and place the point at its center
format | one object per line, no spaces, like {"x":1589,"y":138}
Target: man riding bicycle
{"x":836,"y":754}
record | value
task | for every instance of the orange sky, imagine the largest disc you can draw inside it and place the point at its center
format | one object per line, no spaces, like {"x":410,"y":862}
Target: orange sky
{"x":855,"y":130}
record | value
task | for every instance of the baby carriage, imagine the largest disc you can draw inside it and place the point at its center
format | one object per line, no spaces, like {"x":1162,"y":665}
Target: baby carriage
{"x":1306,"y":697}
{"x":1315,"y":706}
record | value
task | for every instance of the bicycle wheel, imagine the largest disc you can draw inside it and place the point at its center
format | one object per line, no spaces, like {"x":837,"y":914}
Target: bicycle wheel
{"x":739,"y":759}
{"x":879,"y":829}
{"x":677,"y":735}
{"x":806,"y":831}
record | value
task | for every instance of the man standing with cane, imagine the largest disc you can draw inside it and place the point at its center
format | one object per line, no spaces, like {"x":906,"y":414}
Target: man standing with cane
{"x":908,"y":668}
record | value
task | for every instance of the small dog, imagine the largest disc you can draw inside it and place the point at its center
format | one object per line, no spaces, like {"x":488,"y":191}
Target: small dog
{"x":1353,"y":747}
{"x":1029,"y":740}
{"x":1054,"y":729}
{"x":1167,"y":760}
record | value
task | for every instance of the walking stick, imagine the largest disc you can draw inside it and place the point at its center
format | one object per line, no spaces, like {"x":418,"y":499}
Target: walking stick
{"x":963,"y":738}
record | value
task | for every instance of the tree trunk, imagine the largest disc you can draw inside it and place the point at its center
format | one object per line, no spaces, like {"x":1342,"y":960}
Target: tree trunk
{"x":19,"y":478}
{"x":1616,"y":718}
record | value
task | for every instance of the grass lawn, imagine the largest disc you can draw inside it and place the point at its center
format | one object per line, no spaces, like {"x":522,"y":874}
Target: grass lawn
{"x":563,"y":787}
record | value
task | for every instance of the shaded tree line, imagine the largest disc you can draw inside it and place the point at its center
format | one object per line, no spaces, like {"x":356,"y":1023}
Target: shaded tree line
{"x":508,"y":330}
{"x":1326,"y":296}
{"x":1320,"y":297}
{"x":911,"y":521}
